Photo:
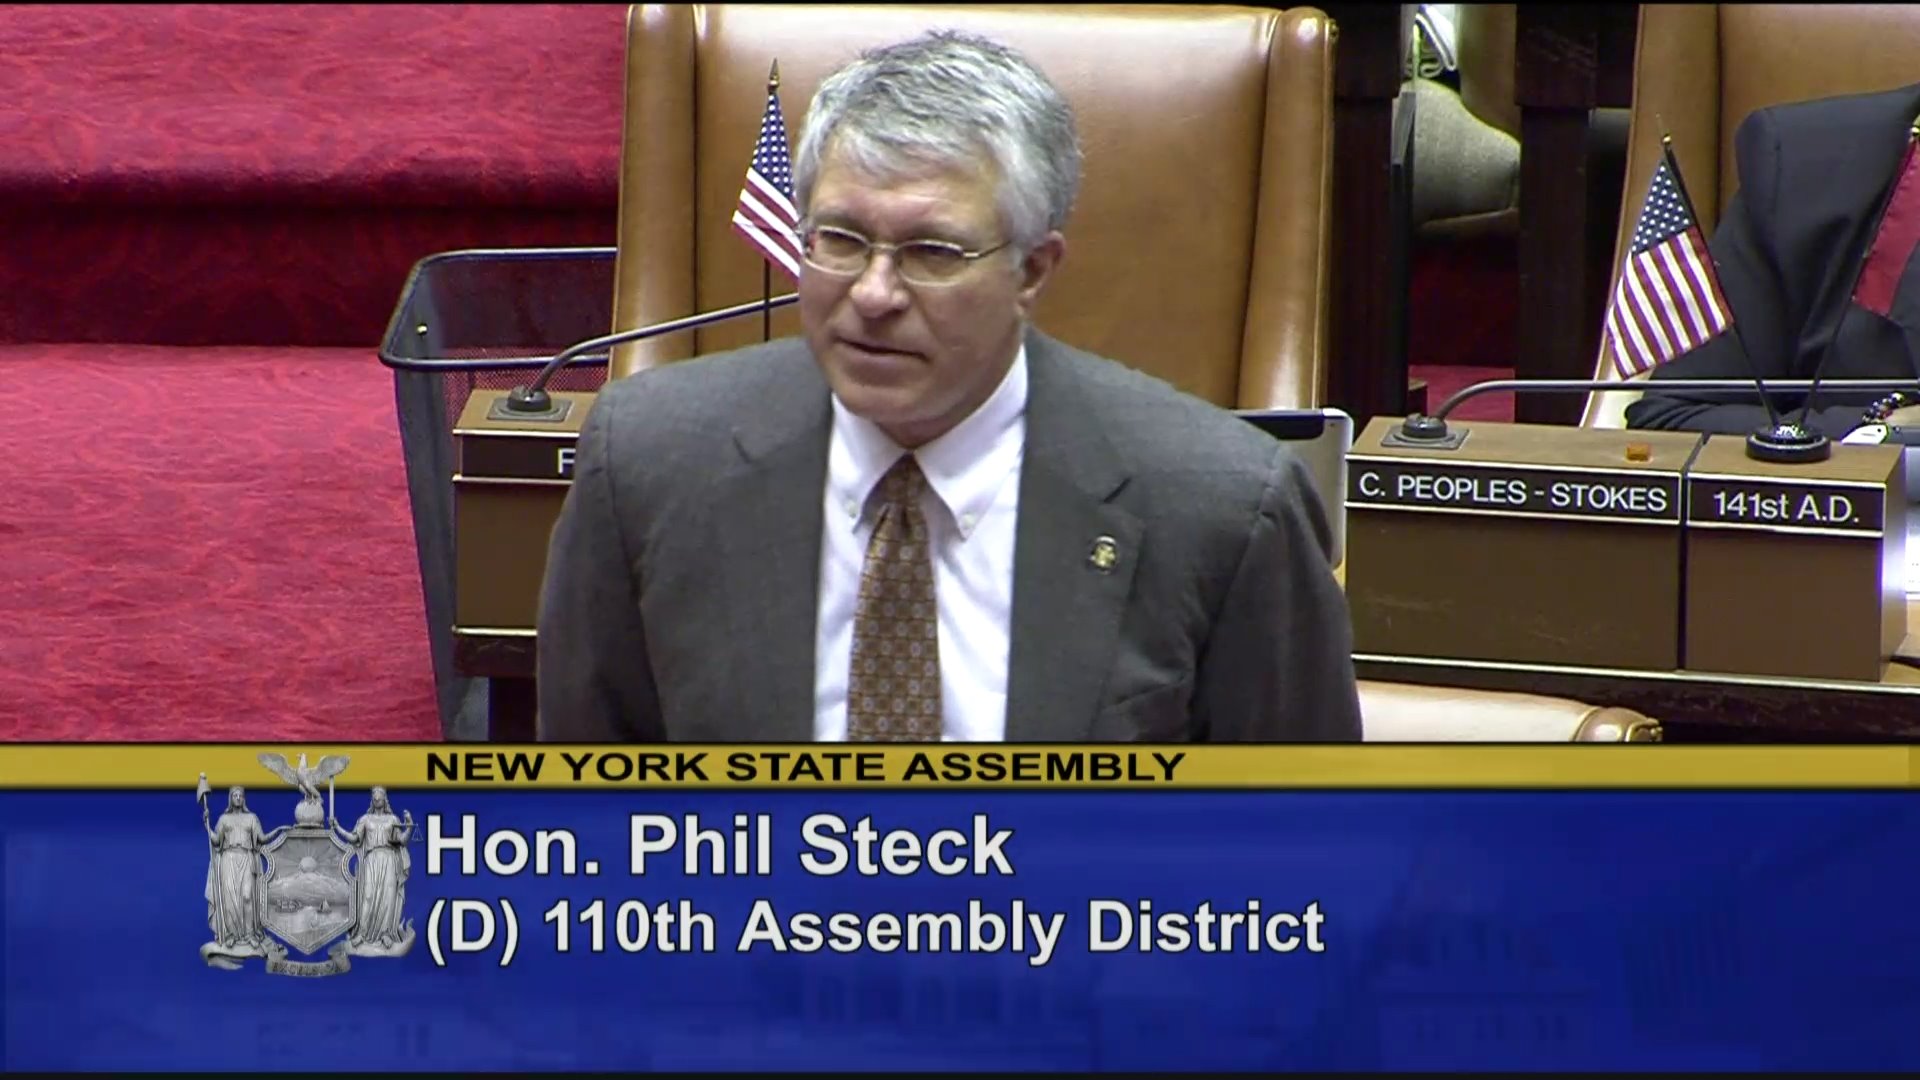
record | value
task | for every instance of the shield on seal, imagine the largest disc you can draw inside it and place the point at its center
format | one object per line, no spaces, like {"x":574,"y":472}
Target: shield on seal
{"x":306,"y":897}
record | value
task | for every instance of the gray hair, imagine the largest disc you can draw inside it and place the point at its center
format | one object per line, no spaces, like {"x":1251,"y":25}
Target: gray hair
{"x":941,"y":100}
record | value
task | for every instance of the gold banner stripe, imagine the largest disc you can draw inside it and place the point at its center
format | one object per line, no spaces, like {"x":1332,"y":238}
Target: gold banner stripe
{"x":1381,"y":766}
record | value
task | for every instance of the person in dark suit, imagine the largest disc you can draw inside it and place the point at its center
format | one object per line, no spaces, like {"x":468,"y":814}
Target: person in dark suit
{"x":1813,"y":177}
{"x":928,"y":520}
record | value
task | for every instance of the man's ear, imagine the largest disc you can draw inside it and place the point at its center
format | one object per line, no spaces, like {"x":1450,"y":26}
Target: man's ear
{"x":1038,"y":269}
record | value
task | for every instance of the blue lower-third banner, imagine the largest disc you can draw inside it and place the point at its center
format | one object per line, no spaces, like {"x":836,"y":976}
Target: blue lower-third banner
{"x":295,"y":925}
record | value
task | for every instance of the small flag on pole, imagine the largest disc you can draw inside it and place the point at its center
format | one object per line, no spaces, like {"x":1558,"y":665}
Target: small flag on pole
{"x":1894,"y":239}
{"x":1668,"y":300}
{"x":766,"y":215}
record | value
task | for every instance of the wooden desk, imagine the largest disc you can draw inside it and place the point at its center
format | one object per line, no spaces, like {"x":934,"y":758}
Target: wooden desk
{"x":1693,"y":707}
{"x":1701,"y":707}
{"x":508,"y":663}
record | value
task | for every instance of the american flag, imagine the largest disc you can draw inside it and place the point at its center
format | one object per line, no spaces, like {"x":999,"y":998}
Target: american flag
{"x":1668,"y":300}
{"x":766,"y":215}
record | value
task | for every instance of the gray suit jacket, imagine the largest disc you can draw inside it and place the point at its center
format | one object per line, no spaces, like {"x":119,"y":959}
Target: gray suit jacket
{"x":679,"y":600}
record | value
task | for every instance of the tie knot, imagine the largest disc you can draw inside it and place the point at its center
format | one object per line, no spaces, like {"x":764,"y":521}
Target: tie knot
{"x":904,"y":483}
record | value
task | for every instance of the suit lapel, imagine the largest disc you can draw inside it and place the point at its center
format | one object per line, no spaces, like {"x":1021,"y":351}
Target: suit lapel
{"x":1067,"y":609}
{"x":767,"y":572}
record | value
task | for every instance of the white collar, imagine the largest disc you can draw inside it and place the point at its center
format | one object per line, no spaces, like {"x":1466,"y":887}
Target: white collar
{"x":965,"y":467}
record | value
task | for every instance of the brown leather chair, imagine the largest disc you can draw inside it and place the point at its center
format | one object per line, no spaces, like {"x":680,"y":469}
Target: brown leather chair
{"x":1198,"y":249}
{"x":1701,"y":68}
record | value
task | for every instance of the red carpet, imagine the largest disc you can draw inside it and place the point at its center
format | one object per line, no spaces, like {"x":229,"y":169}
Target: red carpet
{"x":207,"y":544}
{"x":266,"y":174}
{"x":215,"y":543}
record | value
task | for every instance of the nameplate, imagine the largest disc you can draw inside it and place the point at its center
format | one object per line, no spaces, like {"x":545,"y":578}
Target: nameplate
{"x":1518,"y":491}
{"x":517,"y":457}
{"x":1786,"y":506}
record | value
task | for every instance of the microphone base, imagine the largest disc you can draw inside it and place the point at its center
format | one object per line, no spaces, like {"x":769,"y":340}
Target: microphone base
{"x":1789,"y":444}
{"x":1421,"y":432}
{"x":536,"y":405}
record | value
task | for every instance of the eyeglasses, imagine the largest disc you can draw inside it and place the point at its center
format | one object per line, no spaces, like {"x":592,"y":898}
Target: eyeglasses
{"x":845,"y":253}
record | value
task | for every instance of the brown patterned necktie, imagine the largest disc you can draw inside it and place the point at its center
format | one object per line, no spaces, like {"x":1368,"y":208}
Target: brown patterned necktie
{"x":893,"y":685}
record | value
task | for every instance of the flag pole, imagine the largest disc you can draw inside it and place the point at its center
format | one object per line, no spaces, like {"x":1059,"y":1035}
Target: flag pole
{"x":1686,"y":200}
{"x":766,"y":268}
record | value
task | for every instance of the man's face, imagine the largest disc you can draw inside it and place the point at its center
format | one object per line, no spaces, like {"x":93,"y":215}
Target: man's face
{"x":917,"y":359}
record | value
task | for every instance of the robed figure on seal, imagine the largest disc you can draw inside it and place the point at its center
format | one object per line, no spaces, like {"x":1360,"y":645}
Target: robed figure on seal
{"x":233,"y":875}
{"x":380,"y":884}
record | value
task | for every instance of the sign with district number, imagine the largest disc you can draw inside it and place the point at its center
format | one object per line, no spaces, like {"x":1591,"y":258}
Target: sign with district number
{"x":1787,"y":506}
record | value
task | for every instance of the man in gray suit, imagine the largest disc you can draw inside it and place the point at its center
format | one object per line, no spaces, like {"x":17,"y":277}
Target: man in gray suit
{"x":928,"y":520}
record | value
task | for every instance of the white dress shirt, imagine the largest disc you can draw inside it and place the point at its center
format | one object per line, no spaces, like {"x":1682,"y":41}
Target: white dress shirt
{"x":972,"y":502}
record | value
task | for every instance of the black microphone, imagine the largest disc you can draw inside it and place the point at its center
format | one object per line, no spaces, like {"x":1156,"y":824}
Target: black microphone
{"x":1430,"y":431}
{"x":532,"y":401}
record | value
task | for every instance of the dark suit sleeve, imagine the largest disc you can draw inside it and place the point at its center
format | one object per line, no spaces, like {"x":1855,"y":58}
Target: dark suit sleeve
{"x":595,"y":681}
{"x":1278,"y":662}
{"x":1768,"y":307}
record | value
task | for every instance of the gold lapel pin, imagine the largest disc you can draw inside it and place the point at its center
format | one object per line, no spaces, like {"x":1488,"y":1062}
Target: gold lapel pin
{"x":1104,"y":555}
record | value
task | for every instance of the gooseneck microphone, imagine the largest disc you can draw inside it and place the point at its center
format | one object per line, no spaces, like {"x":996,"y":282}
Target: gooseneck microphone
{"x":532,"y":400}
{"x":1430,"y":431}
